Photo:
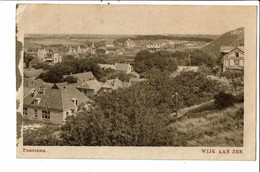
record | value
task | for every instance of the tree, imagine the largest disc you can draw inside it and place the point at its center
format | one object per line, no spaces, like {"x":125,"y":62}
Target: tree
{"x":27,"y":58}
{"x":223,"y":100}
{"x":70,"y":79}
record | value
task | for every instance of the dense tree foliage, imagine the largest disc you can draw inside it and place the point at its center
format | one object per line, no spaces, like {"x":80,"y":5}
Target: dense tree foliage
{"x":112,"y":74}
{"x":70,"y":79}
{"x":56,"y":72}
{"x":43,"y":65}
{"x":137,"y":116}
{"x":27,"y":58}
{"x":145,"y":61}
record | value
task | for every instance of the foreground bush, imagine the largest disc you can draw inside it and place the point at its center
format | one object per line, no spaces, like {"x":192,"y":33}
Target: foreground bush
{"x":223,"y":100}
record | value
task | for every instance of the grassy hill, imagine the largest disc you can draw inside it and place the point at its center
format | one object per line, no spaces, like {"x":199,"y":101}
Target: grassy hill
{"x":231,"y":38}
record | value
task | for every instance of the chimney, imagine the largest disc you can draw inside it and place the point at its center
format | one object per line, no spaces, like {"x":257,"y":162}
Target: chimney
{"x":42,"y":90}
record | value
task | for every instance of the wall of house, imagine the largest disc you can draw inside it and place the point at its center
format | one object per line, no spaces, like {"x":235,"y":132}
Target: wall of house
{"x":56,"y":117}
{"x":231,"y":61}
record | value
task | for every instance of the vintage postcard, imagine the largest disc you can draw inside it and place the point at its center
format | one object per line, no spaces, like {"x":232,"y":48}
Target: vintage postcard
{"x":136,"y":81}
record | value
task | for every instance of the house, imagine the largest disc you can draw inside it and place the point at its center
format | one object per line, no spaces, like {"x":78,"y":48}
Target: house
{"x":34,"y":61}
{"x":82,"y":77}
{"x":107,"y":66}
{"x":153,"y":47}
{"x":57,"y":58}
{"x":53,"y":105}
{"x":109,"y":43}
{"x":234,"y":59}
{"x":32,"y":73}
{"x":42,"y":53}
{"x":129,"y":43}
{"x":31,"y":85}
{"x":225,"y":49}
{"x":110,"y":85}
{"x":90,"y":88}
{"x":124,"y":67}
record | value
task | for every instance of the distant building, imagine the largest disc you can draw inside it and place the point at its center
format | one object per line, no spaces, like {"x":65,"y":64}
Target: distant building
{"x":109,"y":43}
{"x":129,"y":43}
{"x":82,"y":77}
{"x":107,"y":66}
{"x":124,"y":67}
{"x":53,"y":105}
{"x":110,"y":85}
{"x":234,"y":59}
{"x":57,"y":58}
{"x":42,"y":54}
{"x":152,"y":47}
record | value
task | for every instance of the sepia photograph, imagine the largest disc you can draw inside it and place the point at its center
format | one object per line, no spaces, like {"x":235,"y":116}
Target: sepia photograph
{"x":150,"y":78}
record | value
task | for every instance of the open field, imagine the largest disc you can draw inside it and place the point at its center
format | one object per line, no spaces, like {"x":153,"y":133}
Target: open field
{"x":210,"y":127}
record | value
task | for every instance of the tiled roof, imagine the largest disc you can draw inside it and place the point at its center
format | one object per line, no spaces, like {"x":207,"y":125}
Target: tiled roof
{"x":122,"y":66}
{"x":92,"y":84}
{"x":57,"y":98}
{"x":85,"y":76}
{"x":113,"y":84}
{"x":31,"y":72}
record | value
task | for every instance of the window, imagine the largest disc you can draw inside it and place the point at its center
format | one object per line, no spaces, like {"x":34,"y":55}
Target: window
{"x":241,"y":62}
{"x":237,"y":62}
{"x":35,"y":113}
{"x":45,"y":114}
{"x":237,"y":54}
{"x":227,"y":63}
{"x":232,"y":63}
{"x":25,"y":111}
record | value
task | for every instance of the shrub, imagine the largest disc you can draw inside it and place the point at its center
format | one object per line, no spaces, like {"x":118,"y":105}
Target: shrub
{"x":223,"y":100}
{"x":70,"y":79}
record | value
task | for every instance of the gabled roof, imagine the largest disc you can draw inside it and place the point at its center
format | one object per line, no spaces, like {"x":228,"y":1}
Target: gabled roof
{"x":85,"y":76}
{"x":35,"y":60}
{"x":92,"y":84}
{"x":113,"y":84}
{"x":57,"y":98}
{"x":226,"y":49}
{"x":241,"y":49}
{"x":31,"y":72}
{"x":122,"y":66}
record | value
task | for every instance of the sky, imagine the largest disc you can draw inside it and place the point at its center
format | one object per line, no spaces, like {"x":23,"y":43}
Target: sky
{"x":131,"y":19}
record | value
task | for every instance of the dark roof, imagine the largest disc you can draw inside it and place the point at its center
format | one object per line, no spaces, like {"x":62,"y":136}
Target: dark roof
{"x":85,"y":76}
{"x":31,"y":72}
{"x":57,"y":98}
